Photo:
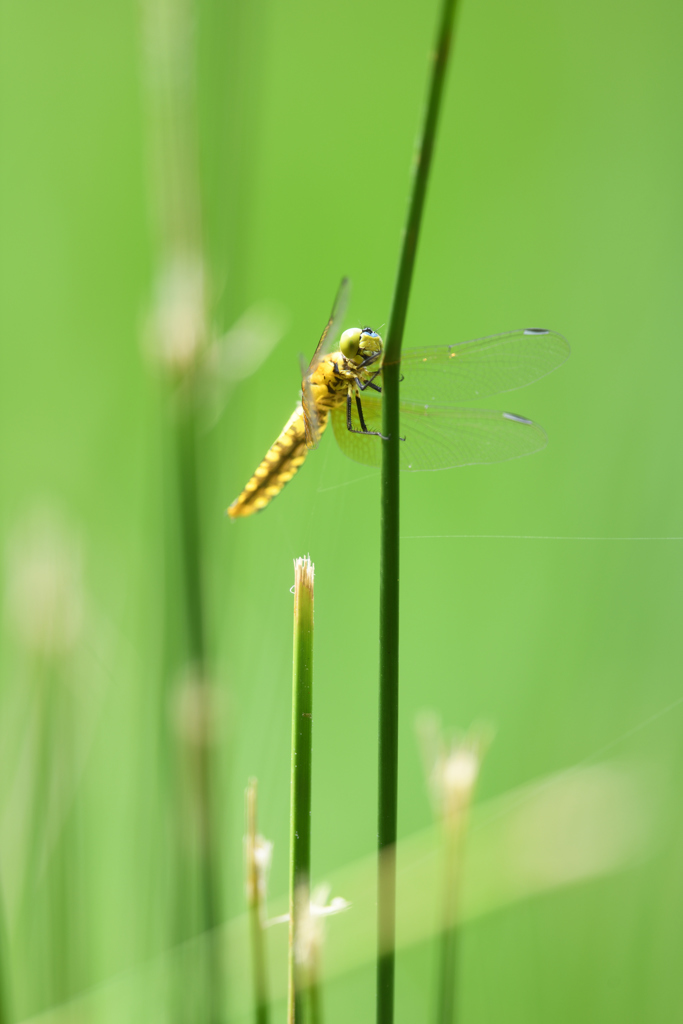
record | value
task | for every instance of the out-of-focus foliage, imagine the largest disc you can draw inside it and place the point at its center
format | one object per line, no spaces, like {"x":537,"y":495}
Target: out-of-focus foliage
{"x":555,"y":201}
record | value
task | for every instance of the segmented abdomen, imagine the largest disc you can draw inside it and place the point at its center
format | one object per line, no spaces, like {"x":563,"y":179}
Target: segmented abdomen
{"x":278,"y":467}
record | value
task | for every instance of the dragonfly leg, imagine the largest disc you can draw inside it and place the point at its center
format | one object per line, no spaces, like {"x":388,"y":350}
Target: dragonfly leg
{"x":364,"y":429}
{"x":370,"y":384}
{"x":363,"y":385}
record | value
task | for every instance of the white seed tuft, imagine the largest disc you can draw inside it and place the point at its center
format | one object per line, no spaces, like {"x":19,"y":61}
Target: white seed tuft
{"x":44,"y":596}
{"x":177,"y":325}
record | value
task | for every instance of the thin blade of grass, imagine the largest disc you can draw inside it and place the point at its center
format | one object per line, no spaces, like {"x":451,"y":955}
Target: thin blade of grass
{"x":390,"y":521}
{"x":255,"y":904}
{"x":177,"y":337}
{"x":300,"y":830}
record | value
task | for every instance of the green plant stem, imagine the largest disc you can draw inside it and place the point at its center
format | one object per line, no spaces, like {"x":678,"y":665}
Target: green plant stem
{"x":300,"y":828}
{"x":200,"y":773}
{"x":190,"y":536}
{"x":315,"y":1001}
{"x":454,"y":833}
{"x":6,"y":1015}
{"x":180,"y":332}
{"x":255,"y":905}
{"x":389,"y":546}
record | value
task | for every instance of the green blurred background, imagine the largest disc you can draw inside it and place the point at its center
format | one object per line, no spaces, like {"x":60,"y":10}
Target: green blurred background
{"x":555,"y":201}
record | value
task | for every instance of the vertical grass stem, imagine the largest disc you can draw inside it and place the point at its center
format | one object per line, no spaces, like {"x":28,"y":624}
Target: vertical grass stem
{"x":6,"y":1015}
{"x":190,"y":521}
{"x":255,"y":904}
{"x":177,"y":334}
{"x":390,"y":520}
{"x":455,"y":827}
{"x":300,"y":829}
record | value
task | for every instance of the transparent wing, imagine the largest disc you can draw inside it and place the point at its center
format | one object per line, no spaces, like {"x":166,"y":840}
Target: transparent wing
{"x":441,"y":438}
{"x":333,"y":326}
{"x":327,"y":339}
{"x":473,"y":369}
{"x":311,"y":420}
{"x":311,"y":417}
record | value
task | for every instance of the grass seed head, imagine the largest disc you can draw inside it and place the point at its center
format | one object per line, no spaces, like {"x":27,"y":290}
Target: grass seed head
{"x":45,"y":599}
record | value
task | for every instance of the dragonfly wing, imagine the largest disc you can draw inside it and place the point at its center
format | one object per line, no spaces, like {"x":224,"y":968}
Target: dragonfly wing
{"x":311,"y":418}
{"x":333,"y":326}
{"x":360,"y":447}
{"x":472,"y":369}
{"x":441,"y":438}
{"x":327,"y":339}
{"x":311,"y":421}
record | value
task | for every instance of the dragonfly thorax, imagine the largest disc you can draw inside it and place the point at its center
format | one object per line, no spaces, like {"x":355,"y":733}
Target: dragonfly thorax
{"x":361,"y":345}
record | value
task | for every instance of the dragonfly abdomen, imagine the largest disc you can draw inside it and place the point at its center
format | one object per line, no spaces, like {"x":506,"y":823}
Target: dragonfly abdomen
{"x":277,"y":468}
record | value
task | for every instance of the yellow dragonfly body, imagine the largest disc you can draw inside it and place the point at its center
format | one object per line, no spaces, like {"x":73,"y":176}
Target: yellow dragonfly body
{"x":435,"y":433}
{"x":331,"y":381}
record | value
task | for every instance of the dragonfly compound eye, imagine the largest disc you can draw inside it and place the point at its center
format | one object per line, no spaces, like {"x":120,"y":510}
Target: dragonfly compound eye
{"x":349,"y":342}
{"x":370,"y":344}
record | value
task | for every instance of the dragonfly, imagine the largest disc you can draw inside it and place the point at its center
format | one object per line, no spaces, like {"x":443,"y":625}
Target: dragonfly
{"x":343,"y":383}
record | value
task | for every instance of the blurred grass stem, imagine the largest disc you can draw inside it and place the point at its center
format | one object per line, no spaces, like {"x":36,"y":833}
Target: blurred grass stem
{"x":6,"y":1015}
{"x":315,"y":999}
{"x":200,"y":754}
{"x":255,"y":906}
{"x":455,"y":827}
{"x":300,"y":826}
{"x":188,"y":503}
{"x":178,"y":330}
{"x":452,"y":768}
{"x":389,"y":544}
{"x":455,"y":823}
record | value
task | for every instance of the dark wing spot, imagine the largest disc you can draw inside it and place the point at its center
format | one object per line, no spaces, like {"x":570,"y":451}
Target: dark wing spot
{"x":517,"y":419}
{"x":536,"y":330}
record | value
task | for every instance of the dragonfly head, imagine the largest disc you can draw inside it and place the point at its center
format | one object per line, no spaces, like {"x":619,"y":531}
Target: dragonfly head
{"x":361,"y":345}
